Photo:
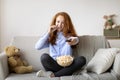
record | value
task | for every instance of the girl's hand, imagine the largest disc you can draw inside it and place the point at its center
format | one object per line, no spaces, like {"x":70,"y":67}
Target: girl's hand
{"x":72,"y":40}
{"x":52,"y":28}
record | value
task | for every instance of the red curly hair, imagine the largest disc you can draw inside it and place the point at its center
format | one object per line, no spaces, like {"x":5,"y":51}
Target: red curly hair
{"x":68,"y":29}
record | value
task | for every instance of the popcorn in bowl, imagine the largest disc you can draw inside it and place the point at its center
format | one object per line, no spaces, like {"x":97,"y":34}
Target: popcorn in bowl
{"x":65,"y":60}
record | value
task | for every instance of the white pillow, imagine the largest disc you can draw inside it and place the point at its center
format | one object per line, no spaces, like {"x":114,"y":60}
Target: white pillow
{"x":102,"y":60}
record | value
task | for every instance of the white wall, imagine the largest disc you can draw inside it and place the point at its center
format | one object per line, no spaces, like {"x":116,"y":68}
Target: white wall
{"x":32,"y":17}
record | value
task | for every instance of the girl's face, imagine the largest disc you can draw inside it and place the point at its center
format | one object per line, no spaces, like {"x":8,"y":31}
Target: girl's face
{"x":59,"y":23}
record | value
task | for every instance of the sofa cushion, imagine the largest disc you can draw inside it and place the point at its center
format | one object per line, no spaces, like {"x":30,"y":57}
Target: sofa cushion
{"x":93,"y":76}
{"x":26,"y":44}
{"x":102,"y":60}
{"x":28,"y":76}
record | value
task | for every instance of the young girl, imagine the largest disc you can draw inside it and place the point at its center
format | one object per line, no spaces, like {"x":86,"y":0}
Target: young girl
{"x":60,"y":30}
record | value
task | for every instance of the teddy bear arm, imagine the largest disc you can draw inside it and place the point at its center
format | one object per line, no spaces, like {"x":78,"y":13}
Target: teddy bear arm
{"x":12,"y":62}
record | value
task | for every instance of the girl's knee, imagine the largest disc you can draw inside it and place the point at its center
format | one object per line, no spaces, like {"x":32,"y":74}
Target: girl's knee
{"x":44,"y":57}
{"x":81,"y":60}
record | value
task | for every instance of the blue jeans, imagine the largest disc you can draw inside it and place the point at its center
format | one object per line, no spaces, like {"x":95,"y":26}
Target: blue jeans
{"x":51,"y":65}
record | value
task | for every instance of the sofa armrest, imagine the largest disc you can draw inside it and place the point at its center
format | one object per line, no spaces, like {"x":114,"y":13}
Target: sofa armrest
{"x":3,"y":66}
{"x":116,"y":66}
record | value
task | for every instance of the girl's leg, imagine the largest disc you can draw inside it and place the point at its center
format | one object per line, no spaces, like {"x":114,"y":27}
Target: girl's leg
{"x":77,"y":64}
{"x":49,"y":63}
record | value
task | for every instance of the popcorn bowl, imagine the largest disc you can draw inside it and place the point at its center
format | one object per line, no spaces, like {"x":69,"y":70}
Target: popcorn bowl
{"x":65,"y":60}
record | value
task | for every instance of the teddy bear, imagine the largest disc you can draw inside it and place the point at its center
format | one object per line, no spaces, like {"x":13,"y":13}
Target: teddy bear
{"x":15,"y":62}
{"x":65,"y":60}
{"x":109,"y":23}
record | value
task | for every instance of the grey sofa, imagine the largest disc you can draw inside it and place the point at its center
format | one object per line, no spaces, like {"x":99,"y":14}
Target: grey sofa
{"x":87,"y":47}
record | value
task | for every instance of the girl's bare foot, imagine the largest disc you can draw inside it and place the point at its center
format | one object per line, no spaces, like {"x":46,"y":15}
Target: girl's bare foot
{"x":42,"y":73}
{"x":52,"y":75}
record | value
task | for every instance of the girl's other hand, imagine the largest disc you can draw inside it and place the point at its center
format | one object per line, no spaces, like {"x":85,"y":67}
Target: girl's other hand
{"x":72,"y":40}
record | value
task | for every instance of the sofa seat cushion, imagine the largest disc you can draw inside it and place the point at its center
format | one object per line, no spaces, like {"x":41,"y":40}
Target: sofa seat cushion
{"x":29,"y":76}
{"x":92,"y":76}
{"x":75,"y":77}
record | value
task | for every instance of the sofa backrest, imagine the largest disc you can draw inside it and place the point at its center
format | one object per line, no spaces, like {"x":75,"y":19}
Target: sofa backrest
{"x":86,"y":47}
